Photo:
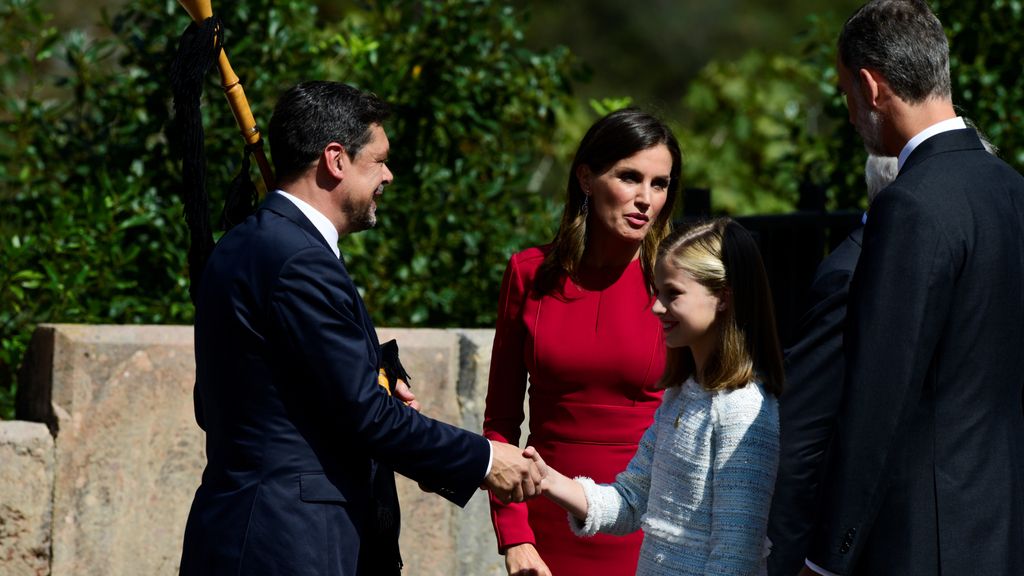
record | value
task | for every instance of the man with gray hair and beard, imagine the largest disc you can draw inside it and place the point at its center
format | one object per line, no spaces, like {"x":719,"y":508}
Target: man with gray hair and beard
{"x":925,"y":471}
{"x":814,"y":387}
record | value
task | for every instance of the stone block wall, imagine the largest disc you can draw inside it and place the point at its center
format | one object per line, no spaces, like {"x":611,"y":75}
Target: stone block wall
{"x":26,"y":494}
{"x":101,"y":481}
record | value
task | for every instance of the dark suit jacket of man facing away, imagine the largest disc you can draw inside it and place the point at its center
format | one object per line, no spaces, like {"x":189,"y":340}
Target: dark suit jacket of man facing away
{"x":286,"y":359}
{"x":808,"y":407}
{"x":926,"y":472}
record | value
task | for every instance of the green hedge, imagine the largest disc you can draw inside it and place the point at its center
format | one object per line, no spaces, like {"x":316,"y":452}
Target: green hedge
{"x":760,"y":128}
{"x":91,"y":225}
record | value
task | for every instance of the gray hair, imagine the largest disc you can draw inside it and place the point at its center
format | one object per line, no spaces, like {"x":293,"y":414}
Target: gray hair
{"x":904,"y":42}
{"x":879,"y":172}
{"x":989,"y":147}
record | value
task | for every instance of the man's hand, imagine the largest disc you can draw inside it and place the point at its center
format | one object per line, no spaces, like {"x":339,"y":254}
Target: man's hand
{"x":404,"y":393}
{"x":523,"y":560}
{"x":515,"y":474}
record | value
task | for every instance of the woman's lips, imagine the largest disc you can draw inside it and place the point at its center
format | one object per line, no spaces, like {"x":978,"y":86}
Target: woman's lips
{"x":637,"y":220}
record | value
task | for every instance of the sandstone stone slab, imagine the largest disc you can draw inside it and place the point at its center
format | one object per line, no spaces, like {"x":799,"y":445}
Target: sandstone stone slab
{"x":128,"y":454}
{"x":428,"y":521}
{"x":26,"y":497}
{"x":449,"y":370}
{"x":477,"y":547}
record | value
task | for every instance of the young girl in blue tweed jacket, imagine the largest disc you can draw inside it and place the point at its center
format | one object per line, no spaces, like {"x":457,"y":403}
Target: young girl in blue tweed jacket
{"x":701,"y":482}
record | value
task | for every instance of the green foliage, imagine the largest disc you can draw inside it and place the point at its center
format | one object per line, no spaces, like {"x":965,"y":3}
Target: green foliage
{"x":764,"y":128}
{"x":474,"y":111}
{"x":88,"y":230}
{"x":91,"y":225}
{"x":92,"y":228}
{"x":605,"y":106}
{"x":750,"y":131}
{"x":652,"y":49}
{"x":986,"y":51}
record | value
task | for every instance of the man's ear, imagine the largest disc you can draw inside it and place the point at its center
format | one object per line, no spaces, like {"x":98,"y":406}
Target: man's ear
{"x":334,"y":160}
{"x":874,"y":87}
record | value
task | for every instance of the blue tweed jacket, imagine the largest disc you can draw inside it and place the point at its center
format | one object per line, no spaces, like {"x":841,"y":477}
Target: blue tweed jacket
{"x":700,"y":484}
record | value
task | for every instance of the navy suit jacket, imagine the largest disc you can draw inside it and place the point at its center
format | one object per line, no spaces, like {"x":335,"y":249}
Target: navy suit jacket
{"x":926,"y":470}
{"x":808,"y":408}
{"x":286,"y":390}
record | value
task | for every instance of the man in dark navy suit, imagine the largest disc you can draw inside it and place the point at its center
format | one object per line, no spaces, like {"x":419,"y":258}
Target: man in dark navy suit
{"x":300,"y":439}
{"x":926,"y":468}
{"x":814,"y":385}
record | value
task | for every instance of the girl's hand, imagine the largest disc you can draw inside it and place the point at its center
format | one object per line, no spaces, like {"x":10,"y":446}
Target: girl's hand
{"x":531,"y":453}
{"x":523,"y":560}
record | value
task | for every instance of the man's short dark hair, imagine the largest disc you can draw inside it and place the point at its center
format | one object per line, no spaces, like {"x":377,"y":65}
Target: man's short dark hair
{"x":311,"y":115}
{"x":904,"y":42}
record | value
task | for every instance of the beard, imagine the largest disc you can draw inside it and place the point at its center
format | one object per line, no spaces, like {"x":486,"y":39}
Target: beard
{"x":364,"y":217}
{"x":869,"y":126}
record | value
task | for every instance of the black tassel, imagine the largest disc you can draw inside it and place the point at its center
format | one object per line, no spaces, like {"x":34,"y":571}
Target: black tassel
{"x":242,"y":196}
{"x":392,"y":366}
{"x":198,"y":49}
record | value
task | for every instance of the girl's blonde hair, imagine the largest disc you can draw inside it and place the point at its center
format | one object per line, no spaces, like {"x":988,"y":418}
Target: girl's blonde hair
{"x":723,"y":257}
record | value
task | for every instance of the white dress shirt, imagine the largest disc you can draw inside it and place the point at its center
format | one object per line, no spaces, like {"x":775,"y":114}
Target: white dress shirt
{"x":321,"y":222}
{"x":937,"y":128}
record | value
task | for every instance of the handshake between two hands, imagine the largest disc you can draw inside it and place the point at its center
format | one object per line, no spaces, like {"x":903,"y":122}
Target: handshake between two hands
{"x":516,"y":474}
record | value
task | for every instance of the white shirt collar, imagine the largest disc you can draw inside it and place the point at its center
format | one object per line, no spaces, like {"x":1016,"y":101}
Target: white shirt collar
{"x":321,"y":222}
{"x":937,"y":128}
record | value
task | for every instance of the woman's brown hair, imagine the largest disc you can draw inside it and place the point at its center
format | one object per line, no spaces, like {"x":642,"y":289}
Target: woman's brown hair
{"x":618,"y":135}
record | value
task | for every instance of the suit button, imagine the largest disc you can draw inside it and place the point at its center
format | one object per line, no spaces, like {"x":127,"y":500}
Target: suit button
{"x":844,"y":548}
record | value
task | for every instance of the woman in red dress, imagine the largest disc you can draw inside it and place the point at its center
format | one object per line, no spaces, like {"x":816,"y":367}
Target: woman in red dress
{"x":574,"y":316}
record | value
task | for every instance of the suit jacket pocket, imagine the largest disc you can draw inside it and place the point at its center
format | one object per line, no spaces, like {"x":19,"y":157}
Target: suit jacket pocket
{"x":318,"y":488}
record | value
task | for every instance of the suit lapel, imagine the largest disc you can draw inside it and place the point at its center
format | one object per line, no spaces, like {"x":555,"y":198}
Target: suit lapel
{"x":282,"y":206}
{"x":857,"y":236}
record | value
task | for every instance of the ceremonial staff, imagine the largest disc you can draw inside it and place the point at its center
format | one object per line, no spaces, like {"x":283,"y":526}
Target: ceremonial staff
{"x":199,"y":47}
{"x":200,"y":10}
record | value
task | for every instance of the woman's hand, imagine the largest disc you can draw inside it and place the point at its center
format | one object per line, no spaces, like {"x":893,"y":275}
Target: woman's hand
{"x":523,"y":560}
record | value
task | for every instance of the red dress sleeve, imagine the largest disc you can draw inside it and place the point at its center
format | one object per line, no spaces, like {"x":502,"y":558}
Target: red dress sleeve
{"x":506,"y":390}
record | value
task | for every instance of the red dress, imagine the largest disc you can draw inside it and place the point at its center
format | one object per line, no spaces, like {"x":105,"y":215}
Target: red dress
{"x":593,"y":357}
